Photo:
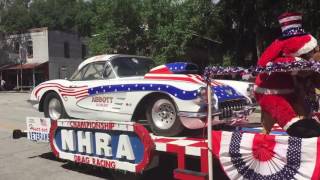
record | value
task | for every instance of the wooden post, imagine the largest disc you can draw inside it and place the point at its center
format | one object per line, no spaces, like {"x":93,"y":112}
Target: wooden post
{"x":33,"y":79}
{"x":18,"y":80}
{"x":21,"y":76}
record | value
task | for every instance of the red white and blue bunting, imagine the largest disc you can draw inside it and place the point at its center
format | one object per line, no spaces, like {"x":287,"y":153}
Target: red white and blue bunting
{"x":264,"y":157}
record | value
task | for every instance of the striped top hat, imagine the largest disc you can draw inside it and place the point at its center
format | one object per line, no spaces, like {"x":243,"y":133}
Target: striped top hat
{"x":291,"y":24}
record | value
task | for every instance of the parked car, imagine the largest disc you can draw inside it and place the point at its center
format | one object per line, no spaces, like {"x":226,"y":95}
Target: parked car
{"x":170,"y":97}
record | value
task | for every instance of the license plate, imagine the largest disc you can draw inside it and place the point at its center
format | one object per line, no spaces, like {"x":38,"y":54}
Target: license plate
{"x":38,"y":129}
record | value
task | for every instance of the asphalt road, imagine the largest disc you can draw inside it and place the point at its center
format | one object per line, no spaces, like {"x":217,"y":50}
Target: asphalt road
{"x":26,"y":160}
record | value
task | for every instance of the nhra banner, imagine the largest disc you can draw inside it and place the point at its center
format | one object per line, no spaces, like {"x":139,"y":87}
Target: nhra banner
{"x":264,"y":157}
{"x":114,"y":145}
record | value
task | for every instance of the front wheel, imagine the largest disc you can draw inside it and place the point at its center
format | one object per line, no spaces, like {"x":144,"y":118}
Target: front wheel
{"x":53,"y":107}
{"x":162,"y":117}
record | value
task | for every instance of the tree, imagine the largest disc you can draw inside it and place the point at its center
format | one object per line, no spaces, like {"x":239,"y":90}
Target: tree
{"x":175,"y":28}
{"x":232,"y":32}
{"x":15,"y":16}
{"x":252,"y":25}
{"x":117,"y":27}
{"x":48,"y":13}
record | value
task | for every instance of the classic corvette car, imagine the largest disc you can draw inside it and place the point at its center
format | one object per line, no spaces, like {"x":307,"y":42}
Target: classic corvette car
{"x":170,"y":97}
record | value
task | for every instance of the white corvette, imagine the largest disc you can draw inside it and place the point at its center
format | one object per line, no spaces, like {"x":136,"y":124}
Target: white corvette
{"x":170,"y":97}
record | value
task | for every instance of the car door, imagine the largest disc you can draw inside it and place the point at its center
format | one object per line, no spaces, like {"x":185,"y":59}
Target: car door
{"x":89,"y":76}
{"x":99,"y":102}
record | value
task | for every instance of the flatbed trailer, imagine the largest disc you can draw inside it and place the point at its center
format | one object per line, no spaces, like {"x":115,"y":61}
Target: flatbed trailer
{"x":63,"y":136}
{"x":129,"y":150}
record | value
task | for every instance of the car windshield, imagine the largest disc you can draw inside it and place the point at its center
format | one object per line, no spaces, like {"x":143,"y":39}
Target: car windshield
{"x":75,"y":76}
{"x":132,"y":66}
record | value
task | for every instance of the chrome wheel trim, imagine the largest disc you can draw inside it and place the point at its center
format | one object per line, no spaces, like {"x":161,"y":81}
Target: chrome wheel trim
{"x":54,"y":108}
{"x":163,"y":114}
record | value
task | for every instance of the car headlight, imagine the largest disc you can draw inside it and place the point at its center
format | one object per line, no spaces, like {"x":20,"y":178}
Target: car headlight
{"x":202,"y":96}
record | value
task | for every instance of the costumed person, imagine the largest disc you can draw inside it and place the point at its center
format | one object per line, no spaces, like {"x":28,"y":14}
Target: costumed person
{"x":279,"y":94}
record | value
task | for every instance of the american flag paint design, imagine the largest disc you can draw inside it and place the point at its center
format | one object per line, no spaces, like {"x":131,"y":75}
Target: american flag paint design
{"x":77,"y":92}
{"x":223,"y":92}
{"x":179,"y":93}
{"x":170,"y":72}
{"x":175,"y":71}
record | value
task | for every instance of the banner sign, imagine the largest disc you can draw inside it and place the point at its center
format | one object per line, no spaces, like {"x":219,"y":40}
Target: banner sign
{"x":38,"y":129}
{"x":109,"y":144}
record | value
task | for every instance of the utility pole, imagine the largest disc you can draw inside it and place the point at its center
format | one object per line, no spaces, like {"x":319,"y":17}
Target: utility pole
{"x":23,"y":58}
{"x":20,"y":75}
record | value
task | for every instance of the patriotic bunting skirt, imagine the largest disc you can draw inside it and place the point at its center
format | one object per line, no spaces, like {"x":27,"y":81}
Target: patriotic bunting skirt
{"x":266,"y":157}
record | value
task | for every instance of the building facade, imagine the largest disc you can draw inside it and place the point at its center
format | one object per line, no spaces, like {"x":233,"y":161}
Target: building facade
{"x":39,"y":55}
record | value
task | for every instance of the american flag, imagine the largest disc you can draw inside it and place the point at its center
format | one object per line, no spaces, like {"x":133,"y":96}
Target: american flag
{"x":264,"y":157}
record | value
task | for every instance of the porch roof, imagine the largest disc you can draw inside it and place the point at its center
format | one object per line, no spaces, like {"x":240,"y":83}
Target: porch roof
{"x":19,"y":66}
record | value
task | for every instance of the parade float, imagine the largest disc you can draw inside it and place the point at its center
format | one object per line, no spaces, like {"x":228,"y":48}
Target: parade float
{"x":230,"y":148}
{"x":128,"y":88}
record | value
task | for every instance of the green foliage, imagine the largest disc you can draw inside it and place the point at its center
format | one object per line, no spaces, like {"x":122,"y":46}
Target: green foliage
{"x":117,"y":27}
{"x":15,"y":17}
{"x":233,"y":32}
{"x":227,"y":60}
{"x":20,"y":15}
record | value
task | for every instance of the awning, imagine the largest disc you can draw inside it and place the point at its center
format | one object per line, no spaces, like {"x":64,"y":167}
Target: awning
{"x":5,"y":66}
{"x":24,"y":66}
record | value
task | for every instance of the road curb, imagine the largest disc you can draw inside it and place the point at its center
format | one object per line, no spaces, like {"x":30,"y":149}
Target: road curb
{"x":4,"y":92}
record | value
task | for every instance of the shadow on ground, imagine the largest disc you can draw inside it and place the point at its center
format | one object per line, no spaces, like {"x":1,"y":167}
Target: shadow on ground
{"x":165,"y":172}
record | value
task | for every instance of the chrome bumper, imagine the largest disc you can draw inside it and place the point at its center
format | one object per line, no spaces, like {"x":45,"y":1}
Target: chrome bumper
{"x":197,"y":120}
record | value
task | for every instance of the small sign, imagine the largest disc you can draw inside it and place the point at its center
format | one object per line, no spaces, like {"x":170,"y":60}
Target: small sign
{"x":38,"y":129}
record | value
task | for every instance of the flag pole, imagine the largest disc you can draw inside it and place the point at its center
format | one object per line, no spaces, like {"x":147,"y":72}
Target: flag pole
{"x":209,"y":129}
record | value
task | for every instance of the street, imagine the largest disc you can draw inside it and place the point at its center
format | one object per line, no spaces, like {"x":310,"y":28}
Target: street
{"x":23,"y":159}
{"x":26,"y":160}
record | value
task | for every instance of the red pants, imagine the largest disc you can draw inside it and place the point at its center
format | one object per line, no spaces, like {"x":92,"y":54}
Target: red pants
{"x":279,"y":107}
